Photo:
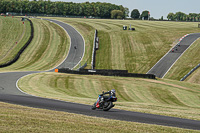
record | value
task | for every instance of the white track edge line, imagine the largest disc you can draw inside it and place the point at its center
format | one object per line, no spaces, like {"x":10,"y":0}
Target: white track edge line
{"x":166,"y":54}
{"x":69,"y":47}
{"x":40,"y":96}
{"x":31,"y":72}
{"x":179,"y":57}
{"x":70,"y":44}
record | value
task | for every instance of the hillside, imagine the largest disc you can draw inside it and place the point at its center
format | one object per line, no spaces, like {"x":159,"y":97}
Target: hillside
{"x":136,"y":51}
{"x":48,"y":48}
{"x":13,"y":36}
{"x":119,"y":49}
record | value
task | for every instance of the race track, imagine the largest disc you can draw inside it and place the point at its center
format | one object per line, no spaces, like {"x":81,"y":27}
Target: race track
{"x":11,"y":94}
{"x":165,"y":63}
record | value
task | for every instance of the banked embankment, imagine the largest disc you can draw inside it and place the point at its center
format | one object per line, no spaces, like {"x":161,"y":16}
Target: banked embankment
{"x":22,"y":49}
{"x":77,"y":46}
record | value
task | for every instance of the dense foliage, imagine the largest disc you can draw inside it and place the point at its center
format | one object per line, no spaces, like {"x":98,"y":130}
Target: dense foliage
{"x":61,"y":8}
{"x":135,"y":14}
{"x":116,"y":14}
{"x":180,"y":16}
{"x":145,"y":15}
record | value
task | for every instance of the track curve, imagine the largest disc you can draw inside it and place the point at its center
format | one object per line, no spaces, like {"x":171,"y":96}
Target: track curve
{"x":11,"y":94}
{"x":167,"y":61}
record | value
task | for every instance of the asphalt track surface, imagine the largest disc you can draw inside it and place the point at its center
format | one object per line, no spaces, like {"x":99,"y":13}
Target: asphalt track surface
{"x":164,"y":64}
{"x":11,"y":94}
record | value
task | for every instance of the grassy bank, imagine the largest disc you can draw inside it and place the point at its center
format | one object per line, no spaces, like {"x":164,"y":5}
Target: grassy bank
{"x":136,"y":51}
{"x":87,"y":31}
{"x":13,"y":36}
{"x":14,"y":118}
{"x":48,"y":48}
{"x":195,"y":77}
{"x":165,"y":97}
{"x":186,"y":63}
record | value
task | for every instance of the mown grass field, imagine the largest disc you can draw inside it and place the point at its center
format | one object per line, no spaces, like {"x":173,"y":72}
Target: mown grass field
{"x":189,"y":60}
{"x":165,"y":97}
{"x":136,"y":51}
{"x":48,"y":48}
{"x":12,"y":30}
{"x":15,"y":118}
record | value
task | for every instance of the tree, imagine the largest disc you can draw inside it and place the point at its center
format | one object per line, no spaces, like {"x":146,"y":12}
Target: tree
{"x":171,"y":16}
{"x":126,"y":12}
{"x":116,"y":14}
{"x":145,"y":15}
{"x":97,"y":9}
{"x":179,"y":16}
{"x":161,"y":18}
{"x":135,"y":14}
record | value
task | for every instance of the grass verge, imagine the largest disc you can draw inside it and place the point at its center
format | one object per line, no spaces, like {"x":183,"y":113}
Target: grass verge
{"x":194,"y":77}
{"x":15,"y":118}
{"x":164,"y":97}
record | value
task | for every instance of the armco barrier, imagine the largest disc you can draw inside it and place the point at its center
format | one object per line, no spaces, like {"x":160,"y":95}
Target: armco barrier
{"x":120,"y":73}
{"x":22,"y":49}
{"x":190,"y":72}
{"x":82,"y":67}
{"x":94,"y":50}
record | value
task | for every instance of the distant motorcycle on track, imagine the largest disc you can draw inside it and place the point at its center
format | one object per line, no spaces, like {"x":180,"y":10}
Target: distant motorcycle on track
{"x":105,"y":101}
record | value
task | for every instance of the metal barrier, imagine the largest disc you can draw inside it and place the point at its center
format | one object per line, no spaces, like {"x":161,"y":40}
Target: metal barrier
{"x":82,"y":67}
{"x":106,"y":72}
{"x":94,"y":50}
{"x":190,"y":72}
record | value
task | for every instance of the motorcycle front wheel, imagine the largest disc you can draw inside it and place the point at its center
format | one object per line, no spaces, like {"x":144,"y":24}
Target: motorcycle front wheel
{"x":93,"y":106}
{"x":107,"y":106}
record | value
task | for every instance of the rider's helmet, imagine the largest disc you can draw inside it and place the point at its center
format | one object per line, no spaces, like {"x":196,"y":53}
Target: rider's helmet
{"x":113,"y":92}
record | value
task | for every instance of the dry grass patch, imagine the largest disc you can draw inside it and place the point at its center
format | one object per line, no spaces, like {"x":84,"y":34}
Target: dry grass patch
{"x":15,"y":118}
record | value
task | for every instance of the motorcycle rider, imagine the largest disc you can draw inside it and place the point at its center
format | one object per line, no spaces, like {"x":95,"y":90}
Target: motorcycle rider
{"x":100,"y":100}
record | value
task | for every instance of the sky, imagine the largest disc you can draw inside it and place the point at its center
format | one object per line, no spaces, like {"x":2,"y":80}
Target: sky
{"x":157,"y":8}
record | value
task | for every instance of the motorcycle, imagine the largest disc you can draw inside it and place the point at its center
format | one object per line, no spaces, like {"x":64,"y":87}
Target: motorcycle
{"x":105,"y":102}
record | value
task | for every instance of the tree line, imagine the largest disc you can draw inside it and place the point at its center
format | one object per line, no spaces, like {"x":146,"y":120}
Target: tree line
{"x":180,"y":16}
{"x":135,"y":14}
{"x":95,"y":9}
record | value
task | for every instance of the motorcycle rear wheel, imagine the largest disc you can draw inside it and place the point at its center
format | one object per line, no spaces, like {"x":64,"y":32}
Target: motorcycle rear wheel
{"x":107,"y":106}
